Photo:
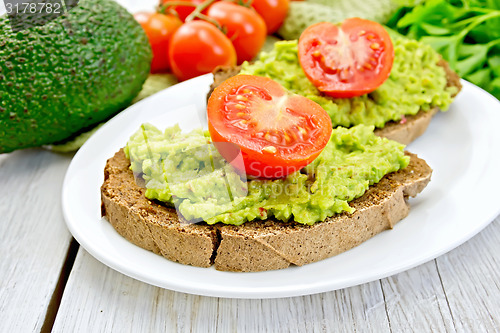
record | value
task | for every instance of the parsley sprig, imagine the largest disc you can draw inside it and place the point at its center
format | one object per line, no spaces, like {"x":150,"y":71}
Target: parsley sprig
{"x":466,"y":33}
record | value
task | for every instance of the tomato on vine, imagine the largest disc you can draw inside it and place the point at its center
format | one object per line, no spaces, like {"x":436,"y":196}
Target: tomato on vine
{"x":272,"y":11}
{"x":159,"y":28}
{"x":182,"y":11}
{"x":197,"y":48}
{"x":243,"y":26}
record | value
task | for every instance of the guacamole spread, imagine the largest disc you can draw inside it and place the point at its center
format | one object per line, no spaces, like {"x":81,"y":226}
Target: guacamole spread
{"x":184,"y":170}
{"x":416,"y":83}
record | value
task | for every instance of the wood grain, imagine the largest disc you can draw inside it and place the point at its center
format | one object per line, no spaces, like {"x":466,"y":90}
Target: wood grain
{"x":100,"y":299}
{"x":33,"y":237}
{"x":431,"y":297}
{"x":415,"y":300}
{"x":457,"y":292}
{"x":471,"y":280}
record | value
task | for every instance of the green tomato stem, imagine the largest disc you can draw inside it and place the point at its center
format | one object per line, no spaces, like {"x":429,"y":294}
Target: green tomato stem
{"x":163,"y":8}
{"x":247,"y":3}
{"x":199,"y":9}
{"x":211,"y":20}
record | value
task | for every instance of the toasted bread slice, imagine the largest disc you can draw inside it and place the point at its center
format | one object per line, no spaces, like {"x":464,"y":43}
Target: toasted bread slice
{"x":403,"y":132}
{"x":258,"y":245}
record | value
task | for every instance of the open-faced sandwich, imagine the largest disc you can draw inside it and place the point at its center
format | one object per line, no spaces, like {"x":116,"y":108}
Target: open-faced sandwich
{"x":290,"y":171}
{"x":360,"y":74}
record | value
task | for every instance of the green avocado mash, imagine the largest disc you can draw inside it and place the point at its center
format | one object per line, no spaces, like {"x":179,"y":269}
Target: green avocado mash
{"x":185,"y":171}
{"x":416,"y":83}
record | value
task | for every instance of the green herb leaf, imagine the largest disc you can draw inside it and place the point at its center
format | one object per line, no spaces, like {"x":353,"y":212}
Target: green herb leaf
{"x":433,"y":11}
{"x":465,"y":32}
{"x":474,"y":58}
{"x":431,"y":29}
{"x":446,"y":45}
{"x":494,"y":63}
{"x":480,"y":78}
{"x":495,"y":4}
{"x":494,"y":87}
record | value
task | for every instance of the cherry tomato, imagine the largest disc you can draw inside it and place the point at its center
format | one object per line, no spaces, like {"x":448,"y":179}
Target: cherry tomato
{"x":159,"y":29}
{"x":244,"y":26}
{"x":183,"y":11}
{"x":272,"y":11}
{"x":349,"y":60}
{"x":197,"y":47}
{"x":278,"y":133}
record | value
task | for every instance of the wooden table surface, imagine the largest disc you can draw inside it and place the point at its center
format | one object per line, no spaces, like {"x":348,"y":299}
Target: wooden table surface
{"x":48,"y":282}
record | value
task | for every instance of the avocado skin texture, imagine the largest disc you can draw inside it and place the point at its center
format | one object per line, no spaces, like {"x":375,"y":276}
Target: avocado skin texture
{"x":69,"y":74}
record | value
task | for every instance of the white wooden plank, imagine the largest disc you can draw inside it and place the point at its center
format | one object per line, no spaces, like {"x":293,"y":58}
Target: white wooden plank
{"x":3,"y":158}
{"x":459,"y":291}
{"x":33,"y":237}
{"x":415,"y":301}
{"x":471,"y":280}
{"x":97,"y":298}
{"x":373,"y":316}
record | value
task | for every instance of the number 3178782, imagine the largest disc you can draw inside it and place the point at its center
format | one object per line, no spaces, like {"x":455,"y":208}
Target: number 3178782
{"x":33,"y":8}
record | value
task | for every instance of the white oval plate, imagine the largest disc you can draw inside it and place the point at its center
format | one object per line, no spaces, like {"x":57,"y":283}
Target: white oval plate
{"x":461,"y":145}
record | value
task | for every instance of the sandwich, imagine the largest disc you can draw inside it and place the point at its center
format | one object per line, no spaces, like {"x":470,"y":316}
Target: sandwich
{"x":259,"y":244}
{"x":418,"y":85}
{"x":207,"y":198}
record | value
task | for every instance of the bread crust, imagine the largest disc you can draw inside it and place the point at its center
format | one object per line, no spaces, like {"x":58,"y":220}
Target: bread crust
{"x":258,"y":245}
{"x":408,"y":130}
{"x":404,"y":132}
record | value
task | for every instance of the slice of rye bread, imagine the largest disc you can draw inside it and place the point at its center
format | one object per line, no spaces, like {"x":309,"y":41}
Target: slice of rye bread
{"x":402,"y":132}
{"x":257,"y":245}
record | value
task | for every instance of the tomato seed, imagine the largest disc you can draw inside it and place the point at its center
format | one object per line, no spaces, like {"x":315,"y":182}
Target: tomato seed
{"x":270,"y":149}
{"x":316,"y":54}
{"x":287,"y":137}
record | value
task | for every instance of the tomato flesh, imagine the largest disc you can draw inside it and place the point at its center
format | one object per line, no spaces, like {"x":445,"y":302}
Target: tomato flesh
{"x":349,"y":60}
{"x":277,"y":133}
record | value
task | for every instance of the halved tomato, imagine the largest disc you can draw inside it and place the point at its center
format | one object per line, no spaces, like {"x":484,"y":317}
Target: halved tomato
{"x":349,"y":60}
{"x":278,"y":133}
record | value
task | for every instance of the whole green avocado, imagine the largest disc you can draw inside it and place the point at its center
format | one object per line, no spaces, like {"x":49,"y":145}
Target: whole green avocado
{"x":69,"y":74}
